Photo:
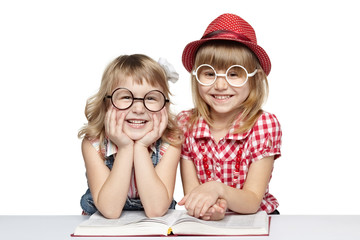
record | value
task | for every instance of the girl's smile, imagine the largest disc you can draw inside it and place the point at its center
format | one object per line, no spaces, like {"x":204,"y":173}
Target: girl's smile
{"x":137,"y":123}
{"x":222,"y":98}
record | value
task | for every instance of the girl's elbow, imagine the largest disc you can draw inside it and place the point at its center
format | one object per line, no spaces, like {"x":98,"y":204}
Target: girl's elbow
{"x":253,"y":209}
{"x":253,"y":204}
{"x":155,"y":211}
{"x":111,"y":213}
{"x":248,"y":209}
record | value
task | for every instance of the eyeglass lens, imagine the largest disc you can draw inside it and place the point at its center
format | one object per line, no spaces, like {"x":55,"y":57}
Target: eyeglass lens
{"x":153,"y":100}
{"x":235,"y":75}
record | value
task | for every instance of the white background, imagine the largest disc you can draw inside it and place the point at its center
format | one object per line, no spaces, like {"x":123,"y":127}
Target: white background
{"x":53,"y":53}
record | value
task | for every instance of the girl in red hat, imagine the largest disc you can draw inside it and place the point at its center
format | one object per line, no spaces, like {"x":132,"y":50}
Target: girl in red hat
{"x":130,"y":144}
{"x":230,"y":143}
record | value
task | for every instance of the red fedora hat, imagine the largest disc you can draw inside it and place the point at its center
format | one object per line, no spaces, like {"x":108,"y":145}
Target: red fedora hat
{"x":227,"y":27}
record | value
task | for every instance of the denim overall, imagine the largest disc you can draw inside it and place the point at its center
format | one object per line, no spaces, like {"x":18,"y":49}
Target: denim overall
{"x":87,"y":202}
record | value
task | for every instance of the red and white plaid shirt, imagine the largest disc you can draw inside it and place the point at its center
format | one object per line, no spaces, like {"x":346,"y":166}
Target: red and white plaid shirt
{"x":228,"y":161}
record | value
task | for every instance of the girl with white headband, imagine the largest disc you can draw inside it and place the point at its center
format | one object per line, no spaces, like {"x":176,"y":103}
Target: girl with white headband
{"x":131,"y":143}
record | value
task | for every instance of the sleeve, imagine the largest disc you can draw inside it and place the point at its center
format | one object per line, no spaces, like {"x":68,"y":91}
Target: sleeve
{"x":185,"y":150}
{"x":265,"y":139}
{"x":182,"y":120}
{"x":101,"y":149}
{"x":163,"y":147}
{"x":105,"y":150}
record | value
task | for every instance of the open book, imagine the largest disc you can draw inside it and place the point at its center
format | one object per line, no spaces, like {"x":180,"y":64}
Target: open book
{"x":177,"y":222}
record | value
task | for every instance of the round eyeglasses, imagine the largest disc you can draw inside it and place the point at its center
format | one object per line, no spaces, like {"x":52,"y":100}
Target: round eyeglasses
{"x":236,"y":75}
{"x":123,"y":98}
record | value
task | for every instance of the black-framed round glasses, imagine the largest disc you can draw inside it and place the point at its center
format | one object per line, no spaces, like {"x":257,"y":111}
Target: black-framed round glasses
{"x":123,"y":98}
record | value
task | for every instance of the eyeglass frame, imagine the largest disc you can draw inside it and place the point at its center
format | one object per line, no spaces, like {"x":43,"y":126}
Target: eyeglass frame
{"x":137,"y":99}
{"x":194,"y":73}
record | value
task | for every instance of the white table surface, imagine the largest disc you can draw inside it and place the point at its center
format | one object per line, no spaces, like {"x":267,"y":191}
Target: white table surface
{"x":282,"y":227}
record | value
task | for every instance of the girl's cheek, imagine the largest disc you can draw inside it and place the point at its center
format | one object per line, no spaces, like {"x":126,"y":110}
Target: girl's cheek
{"x":157,"y":114}
{"x":202,"y":92}
{"x":125,"y":112}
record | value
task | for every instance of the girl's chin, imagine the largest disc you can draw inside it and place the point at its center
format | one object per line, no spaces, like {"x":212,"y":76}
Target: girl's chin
{"x":136,"y":134}
{"x":136,"y":138}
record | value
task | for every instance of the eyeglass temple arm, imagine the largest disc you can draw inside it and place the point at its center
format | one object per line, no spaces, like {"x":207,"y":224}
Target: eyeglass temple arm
{"x":253,"y":73}
{"x":107,"y":96}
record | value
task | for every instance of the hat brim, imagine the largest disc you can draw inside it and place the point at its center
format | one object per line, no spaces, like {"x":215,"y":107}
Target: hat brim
{"x":188,"y":56}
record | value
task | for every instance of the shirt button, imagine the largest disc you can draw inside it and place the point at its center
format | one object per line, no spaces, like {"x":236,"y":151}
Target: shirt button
{"x":206,"y":166}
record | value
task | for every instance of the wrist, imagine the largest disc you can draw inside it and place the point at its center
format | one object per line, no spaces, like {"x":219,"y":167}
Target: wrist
{"x":219,"y":188}
{"x":120,"y":143}
{"x":140,"y":145}
{"x":127,"y":147}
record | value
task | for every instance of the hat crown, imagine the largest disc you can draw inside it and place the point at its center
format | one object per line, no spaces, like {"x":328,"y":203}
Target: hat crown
{"x":232,"y":28}
{"x":232,"y":23}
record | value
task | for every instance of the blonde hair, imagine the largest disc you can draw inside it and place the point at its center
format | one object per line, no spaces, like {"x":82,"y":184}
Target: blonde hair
{"x":139,"y":67}
{"x":221,"y":54}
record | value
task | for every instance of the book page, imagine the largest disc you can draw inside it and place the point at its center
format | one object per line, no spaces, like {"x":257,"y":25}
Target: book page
{"x":241,"y":221}
{"x":232,"y":224}
{"x":230,"y":220}
{"x":130,"y":223}
{"x":126,"y":217}
{"x":171,"y":217}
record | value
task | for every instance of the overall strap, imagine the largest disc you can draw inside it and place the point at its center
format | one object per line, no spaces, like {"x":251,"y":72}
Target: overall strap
{"x":155,"y":156}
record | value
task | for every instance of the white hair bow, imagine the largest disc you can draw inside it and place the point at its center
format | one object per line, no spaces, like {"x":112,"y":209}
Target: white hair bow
{"x":170,"y":71}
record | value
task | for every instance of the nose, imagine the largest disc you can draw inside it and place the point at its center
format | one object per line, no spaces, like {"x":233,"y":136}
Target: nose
{"x":221,"y":83}
{"x":138,"y":107}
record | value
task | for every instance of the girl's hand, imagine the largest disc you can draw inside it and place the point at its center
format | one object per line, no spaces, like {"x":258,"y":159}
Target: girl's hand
{"x":114,"y":121}
{"x":159,"y":126}
{"x":201,"y":199}
{"x":217,"y":211}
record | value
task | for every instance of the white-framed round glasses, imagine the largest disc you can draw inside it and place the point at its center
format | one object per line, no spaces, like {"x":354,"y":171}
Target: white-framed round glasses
{"x":236,"y":75}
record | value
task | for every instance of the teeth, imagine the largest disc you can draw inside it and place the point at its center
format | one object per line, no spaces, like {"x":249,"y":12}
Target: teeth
{"x":221,"y":97}
{"x":137,"y":121}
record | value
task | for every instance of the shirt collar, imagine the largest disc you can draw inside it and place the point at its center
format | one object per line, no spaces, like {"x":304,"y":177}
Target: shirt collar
{"x":202,"y":130}
{"x":111,"y":148}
